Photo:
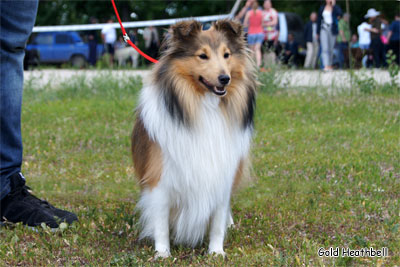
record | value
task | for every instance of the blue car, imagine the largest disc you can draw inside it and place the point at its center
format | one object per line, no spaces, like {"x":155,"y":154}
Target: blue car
{"x":59,"y":48}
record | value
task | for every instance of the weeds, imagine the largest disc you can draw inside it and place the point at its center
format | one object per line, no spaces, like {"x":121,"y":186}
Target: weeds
{"x":365,"y":83}
{"x":393,"y":70}
{"x":102,"y":85}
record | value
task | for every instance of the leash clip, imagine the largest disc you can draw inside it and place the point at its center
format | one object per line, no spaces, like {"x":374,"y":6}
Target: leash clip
{"x":126,"y":38}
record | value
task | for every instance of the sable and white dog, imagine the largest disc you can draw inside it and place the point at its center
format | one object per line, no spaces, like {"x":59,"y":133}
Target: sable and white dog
{"x":192,"y":134}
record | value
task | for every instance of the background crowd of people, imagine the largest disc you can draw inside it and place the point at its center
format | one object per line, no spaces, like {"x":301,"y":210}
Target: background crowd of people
{"x":328,"y":42}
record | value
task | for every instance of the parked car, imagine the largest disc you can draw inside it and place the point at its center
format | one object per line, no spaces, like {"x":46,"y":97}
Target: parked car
{"x":59,"y":48}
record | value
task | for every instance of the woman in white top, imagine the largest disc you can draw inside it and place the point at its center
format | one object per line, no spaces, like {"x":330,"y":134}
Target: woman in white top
{"x":328,"y":17}
{"x":365,"y":37}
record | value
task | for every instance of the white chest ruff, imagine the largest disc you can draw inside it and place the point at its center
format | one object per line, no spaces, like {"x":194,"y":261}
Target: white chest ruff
{"x":199,"y":163}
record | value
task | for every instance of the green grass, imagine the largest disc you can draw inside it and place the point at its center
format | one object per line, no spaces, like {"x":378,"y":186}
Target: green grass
{"x":325,"y":166}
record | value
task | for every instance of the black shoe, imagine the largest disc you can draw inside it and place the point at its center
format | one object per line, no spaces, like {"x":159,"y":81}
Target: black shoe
{"x":21,"y":206}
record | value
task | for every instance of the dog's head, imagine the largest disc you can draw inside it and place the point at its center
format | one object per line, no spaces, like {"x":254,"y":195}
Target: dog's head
{"x":209,"y":59}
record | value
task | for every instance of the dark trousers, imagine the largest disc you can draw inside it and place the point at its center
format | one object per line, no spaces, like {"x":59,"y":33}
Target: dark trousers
{"x":395,"y":47}
{"x":343,"y":54}
{"x":378,"y":52}
{"x":152,"y":51}
{"x":290,"y":59}
{"x":17,"y":20}
{"x":92,"y":52}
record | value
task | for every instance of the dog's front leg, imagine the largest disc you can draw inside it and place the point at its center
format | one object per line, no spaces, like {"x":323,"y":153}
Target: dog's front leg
{"x":218,"y":229}
{"x":161,"y":232}
{"x":158,"y":218}
{"x":161,"y":236}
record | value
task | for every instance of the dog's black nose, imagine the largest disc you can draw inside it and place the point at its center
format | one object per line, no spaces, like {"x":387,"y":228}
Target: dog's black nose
{"x":224,"y":79}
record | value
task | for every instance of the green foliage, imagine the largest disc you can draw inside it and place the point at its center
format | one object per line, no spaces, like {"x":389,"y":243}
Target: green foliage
{"x":365,"y":83}
{"x":326,"y":173}
{"x":61,"y":12}
{"x":393,"y":70}
{"x":102,"y":86}
{"x":268,"y":80}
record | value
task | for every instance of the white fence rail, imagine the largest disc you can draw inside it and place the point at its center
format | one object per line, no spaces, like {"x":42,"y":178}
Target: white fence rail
{"x":135,"y":24}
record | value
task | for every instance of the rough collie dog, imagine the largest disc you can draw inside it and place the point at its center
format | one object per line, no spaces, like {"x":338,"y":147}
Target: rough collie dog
{"x":192,"y":134}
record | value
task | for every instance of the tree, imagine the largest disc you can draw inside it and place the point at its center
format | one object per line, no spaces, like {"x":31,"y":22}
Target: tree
{"x":61,"y":12}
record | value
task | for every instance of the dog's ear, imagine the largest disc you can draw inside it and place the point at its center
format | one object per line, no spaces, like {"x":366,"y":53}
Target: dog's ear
{"x":230,"y":28}
{"x":186,"y":29}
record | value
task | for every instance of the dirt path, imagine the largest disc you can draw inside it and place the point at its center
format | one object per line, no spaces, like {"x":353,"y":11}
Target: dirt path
{"x":290,"y":78}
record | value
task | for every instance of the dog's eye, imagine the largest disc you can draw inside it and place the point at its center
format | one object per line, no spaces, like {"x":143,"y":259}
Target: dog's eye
{"x":226,"y":55}
{"x":203,"y":56}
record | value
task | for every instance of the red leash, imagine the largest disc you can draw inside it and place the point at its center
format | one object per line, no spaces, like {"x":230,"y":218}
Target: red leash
{"x":126,"y":37}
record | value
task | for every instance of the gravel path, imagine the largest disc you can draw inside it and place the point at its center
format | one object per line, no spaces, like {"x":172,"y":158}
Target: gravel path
{"x":290,"y":78}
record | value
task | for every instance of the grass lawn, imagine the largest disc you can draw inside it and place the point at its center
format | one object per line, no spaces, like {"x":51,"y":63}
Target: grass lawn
{"x":326,"y":174}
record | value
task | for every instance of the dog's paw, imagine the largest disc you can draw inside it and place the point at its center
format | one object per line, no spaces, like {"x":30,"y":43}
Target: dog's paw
{"x":217,"y":253}
{"x":230,"y":223}
{"x":162,"y":254}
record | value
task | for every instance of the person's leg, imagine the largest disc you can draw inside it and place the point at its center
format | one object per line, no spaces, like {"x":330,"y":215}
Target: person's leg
{"x":253,"y":48}
{"x":345,"y":51}
{"x":251,"y":41}
{"x":17,"y":20}
{"x":376,"y":53}
{"x":382,"y":51}
{"x":324,"y":37}
{"x":319,"y":58}
{"x":364,"y":57}
{"x":111,"y":55}
{"x":257,"y":50}
{"x":92,"y":52}
{"x":341,"y":55}
{"x":331,"y":43}
{"x":307,"y":62}
{"x":395,"y":47}
{"x":17,"y":204}
{"x":315,"y":48}
{"x":134,"y":58}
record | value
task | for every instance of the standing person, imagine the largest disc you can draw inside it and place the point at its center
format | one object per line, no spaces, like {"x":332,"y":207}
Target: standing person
{"x":385,"y":34}
{"x":253,"y":20}
{"x":343,"y":40}
{"x":364,"y":41}
{"x":242,"y":13}
{"x":310,"y":36}
{"x":17,"y":204}
{"x":134,"y":56}
{"x":109,"y":36}
{"x":270,"y":22}
{"x":133,"y":36}
{"x":377,"y":47}
{"x":328,"y":30}
{"x":364,"y":35}
{"x":92,"y":38}
{"x":151,"y":42}
{"x":394,"y":37}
